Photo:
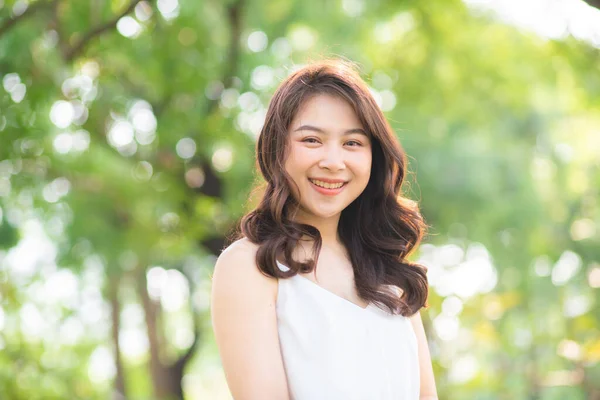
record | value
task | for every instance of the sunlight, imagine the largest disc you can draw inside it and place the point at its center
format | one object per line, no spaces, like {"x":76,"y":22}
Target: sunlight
{"x":62,"y":114}
{"x":281,"y":48}
{"x":120,"y":134}
{"x":62,"y":143}
{"x":156,"y":280}
{"x":169,"y":286}
{"x":222,"y":159}
{"x":583,"y":228}
{"x":143,"y":11}
{"x":142,"y":171}
{"x":101,"y":367}
{"x":388,"y":100}
{"x":56,"y":189}
{"x":452,"y":306}
{"x":129,"y":27}
{"x":446,"y":327}
{"x":547,"y":18}
{"x":168,"y":8}
{"x":576,"y":305}
{"x":463,"y":369}
{"x":183,"y":338}
{"x":229,"y":97}
{"x":302,"y":38}
{"x":175,"y":292}
{"x":565,"y":268}
{"x":2,"y":319}
{"x":353,"y":8}
{"x":34,"y":249}
{"x":594,"y":276}
{"x":62,"y":288}
{"x":251,"y":122}
{"x":186,"y":148}
{"x":134,"y":342}
{"x":542,"y":265}
{"x":92,"y":310}
{"x":249,"y":101}
{"x":262,"y":77}
{"x":19,"y":7}
{"x":143,"y":120}
{"x":453,"y":271}
{"x":194,"y":177}
{"x":71,"y":331}
{"x":257,"y":41}
{"x":33,"y":324}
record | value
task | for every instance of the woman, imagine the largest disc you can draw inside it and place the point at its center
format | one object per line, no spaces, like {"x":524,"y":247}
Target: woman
{"x":316,"y":300}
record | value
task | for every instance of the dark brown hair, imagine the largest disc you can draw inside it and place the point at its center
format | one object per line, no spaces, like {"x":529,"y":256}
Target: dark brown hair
{"x":379,"y":228}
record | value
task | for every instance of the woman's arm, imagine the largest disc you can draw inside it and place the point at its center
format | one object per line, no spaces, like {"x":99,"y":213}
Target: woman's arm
{"x":427,"y":385}
{"x":245,"y":325}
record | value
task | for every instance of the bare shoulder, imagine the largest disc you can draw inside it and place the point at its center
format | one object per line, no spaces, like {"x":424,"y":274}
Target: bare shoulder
{"x":243,"y":314}
{"x":236,"y":271}
{"x":427,"y":384}
{"x":241,"y":246}
{"x":239,"y":257}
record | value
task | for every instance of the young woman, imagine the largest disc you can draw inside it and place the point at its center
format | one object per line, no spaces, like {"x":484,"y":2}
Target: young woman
{"x":316,"y":299}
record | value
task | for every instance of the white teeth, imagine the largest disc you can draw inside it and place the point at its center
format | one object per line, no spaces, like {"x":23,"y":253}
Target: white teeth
{"x":327,"y":185}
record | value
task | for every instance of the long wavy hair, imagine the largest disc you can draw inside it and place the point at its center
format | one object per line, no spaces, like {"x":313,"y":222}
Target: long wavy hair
{"x":378,"y":229}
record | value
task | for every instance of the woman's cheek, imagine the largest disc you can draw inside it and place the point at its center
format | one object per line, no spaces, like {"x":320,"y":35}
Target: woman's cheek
{"x":303,"y":154}
{"x":363,"y":161}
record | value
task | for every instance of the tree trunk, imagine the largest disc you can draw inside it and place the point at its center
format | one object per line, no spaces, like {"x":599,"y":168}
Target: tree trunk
{"x":157,"y":369}
{"x":166,"y":378}
{"x":115,"y":307}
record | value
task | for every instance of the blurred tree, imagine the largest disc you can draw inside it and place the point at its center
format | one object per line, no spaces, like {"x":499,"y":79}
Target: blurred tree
{"x":127,"y":130}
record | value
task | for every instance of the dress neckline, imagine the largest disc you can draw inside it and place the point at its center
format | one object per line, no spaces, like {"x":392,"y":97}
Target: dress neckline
{"x":313,"y":283}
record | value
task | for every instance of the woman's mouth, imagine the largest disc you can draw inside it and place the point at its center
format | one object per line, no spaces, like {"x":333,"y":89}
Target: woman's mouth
{"x":326,"y":188}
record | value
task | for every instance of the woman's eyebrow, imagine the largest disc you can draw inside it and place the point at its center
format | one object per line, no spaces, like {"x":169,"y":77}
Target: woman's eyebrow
{"x":315,"y":129}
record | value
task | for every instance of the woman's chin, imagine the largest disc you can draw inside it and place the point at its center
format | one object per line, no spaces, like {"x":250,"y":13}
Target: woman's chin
{"x":324,"y":214}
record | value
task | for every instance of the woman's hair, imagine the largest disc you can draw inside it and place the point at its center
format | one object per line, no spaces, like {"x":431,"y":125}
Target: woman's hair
{"x":378,"y":229}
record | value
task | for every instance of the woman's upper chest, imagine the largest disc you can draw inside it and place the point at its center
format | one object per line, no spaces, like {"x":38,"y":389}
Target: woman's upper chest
{"x":334,"y":273}
{"x":304,"y":306}
{"x":338,"y":284}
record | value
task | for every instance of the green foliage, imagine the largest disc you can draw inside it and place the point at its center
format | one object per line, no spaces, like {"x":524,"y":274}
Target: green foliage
{"x":155,"y":161}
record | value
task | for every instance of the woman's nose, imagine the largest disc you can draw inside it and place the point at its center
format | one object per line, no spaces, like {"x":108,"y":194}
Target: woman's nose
{"x":332,"y":159}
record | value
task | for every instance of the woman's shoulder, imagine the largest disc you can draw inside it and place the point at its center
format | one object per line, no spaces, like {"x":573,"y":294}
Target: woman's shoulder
{"x":239,"y":255}
{"x":236,"y":270}
{"x":241,"y":246}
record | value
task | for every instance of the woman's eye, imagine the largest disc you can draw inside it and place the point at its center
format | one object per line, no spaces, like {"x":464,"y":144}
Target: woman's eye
{"x":311,"y":140}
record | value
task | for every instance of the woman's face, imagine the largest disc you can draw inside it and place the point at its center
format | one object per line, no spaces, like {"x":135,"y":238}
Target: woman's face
{"x":329,"y":148}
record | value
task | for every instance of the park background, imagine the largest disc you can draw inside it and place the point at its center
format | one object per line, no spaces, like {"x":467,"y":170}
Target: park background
{"x":127,"y":132}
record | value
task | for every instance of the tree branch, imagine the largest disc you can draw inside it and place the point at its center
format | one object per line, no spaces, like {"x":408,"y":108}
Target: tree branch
{"x":234,"y":16}
{"x":31,"y":10}
{"x":235,"y":21}
{"x":78,"y":47}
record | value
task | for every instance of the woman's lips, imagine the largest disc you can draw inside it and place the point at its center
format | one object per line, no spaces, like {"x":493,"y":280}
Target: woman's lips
{"x":327,"y":192}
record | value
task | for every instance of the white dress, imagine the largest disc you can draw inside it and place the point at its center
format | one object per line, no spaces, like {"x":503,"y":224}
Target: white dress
{"x":334,"y":349}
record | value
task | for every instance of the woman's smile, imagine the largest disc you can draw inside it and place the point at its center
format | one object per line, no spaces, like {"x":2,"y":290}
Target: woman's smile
{"x":327,"y":189}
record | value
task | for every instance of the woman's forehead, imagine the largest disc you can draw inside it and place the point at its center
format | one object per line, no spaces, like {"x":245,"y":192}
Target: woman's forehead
{"x":327,"y":113}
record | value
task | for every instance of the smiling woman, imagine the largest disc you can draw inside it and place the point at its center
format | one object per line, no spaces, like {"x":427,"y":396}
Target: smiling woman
{"x":330,"y":154}
{"x":333,"y":170}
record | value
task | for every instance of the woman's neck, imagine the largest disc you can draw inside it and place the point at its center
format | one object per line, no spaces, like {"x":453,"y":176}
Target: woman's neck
{"x":327,"y":227}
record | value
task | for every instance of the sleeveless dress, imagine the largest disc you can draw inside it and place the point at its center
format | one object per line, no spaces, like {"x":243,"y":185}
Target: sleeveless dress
{"x":333,"y":349}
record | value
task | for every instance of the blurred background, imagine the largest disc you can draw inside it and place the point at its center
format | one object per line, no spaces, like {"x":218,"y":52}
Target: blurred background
{"x":127,"y":132}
